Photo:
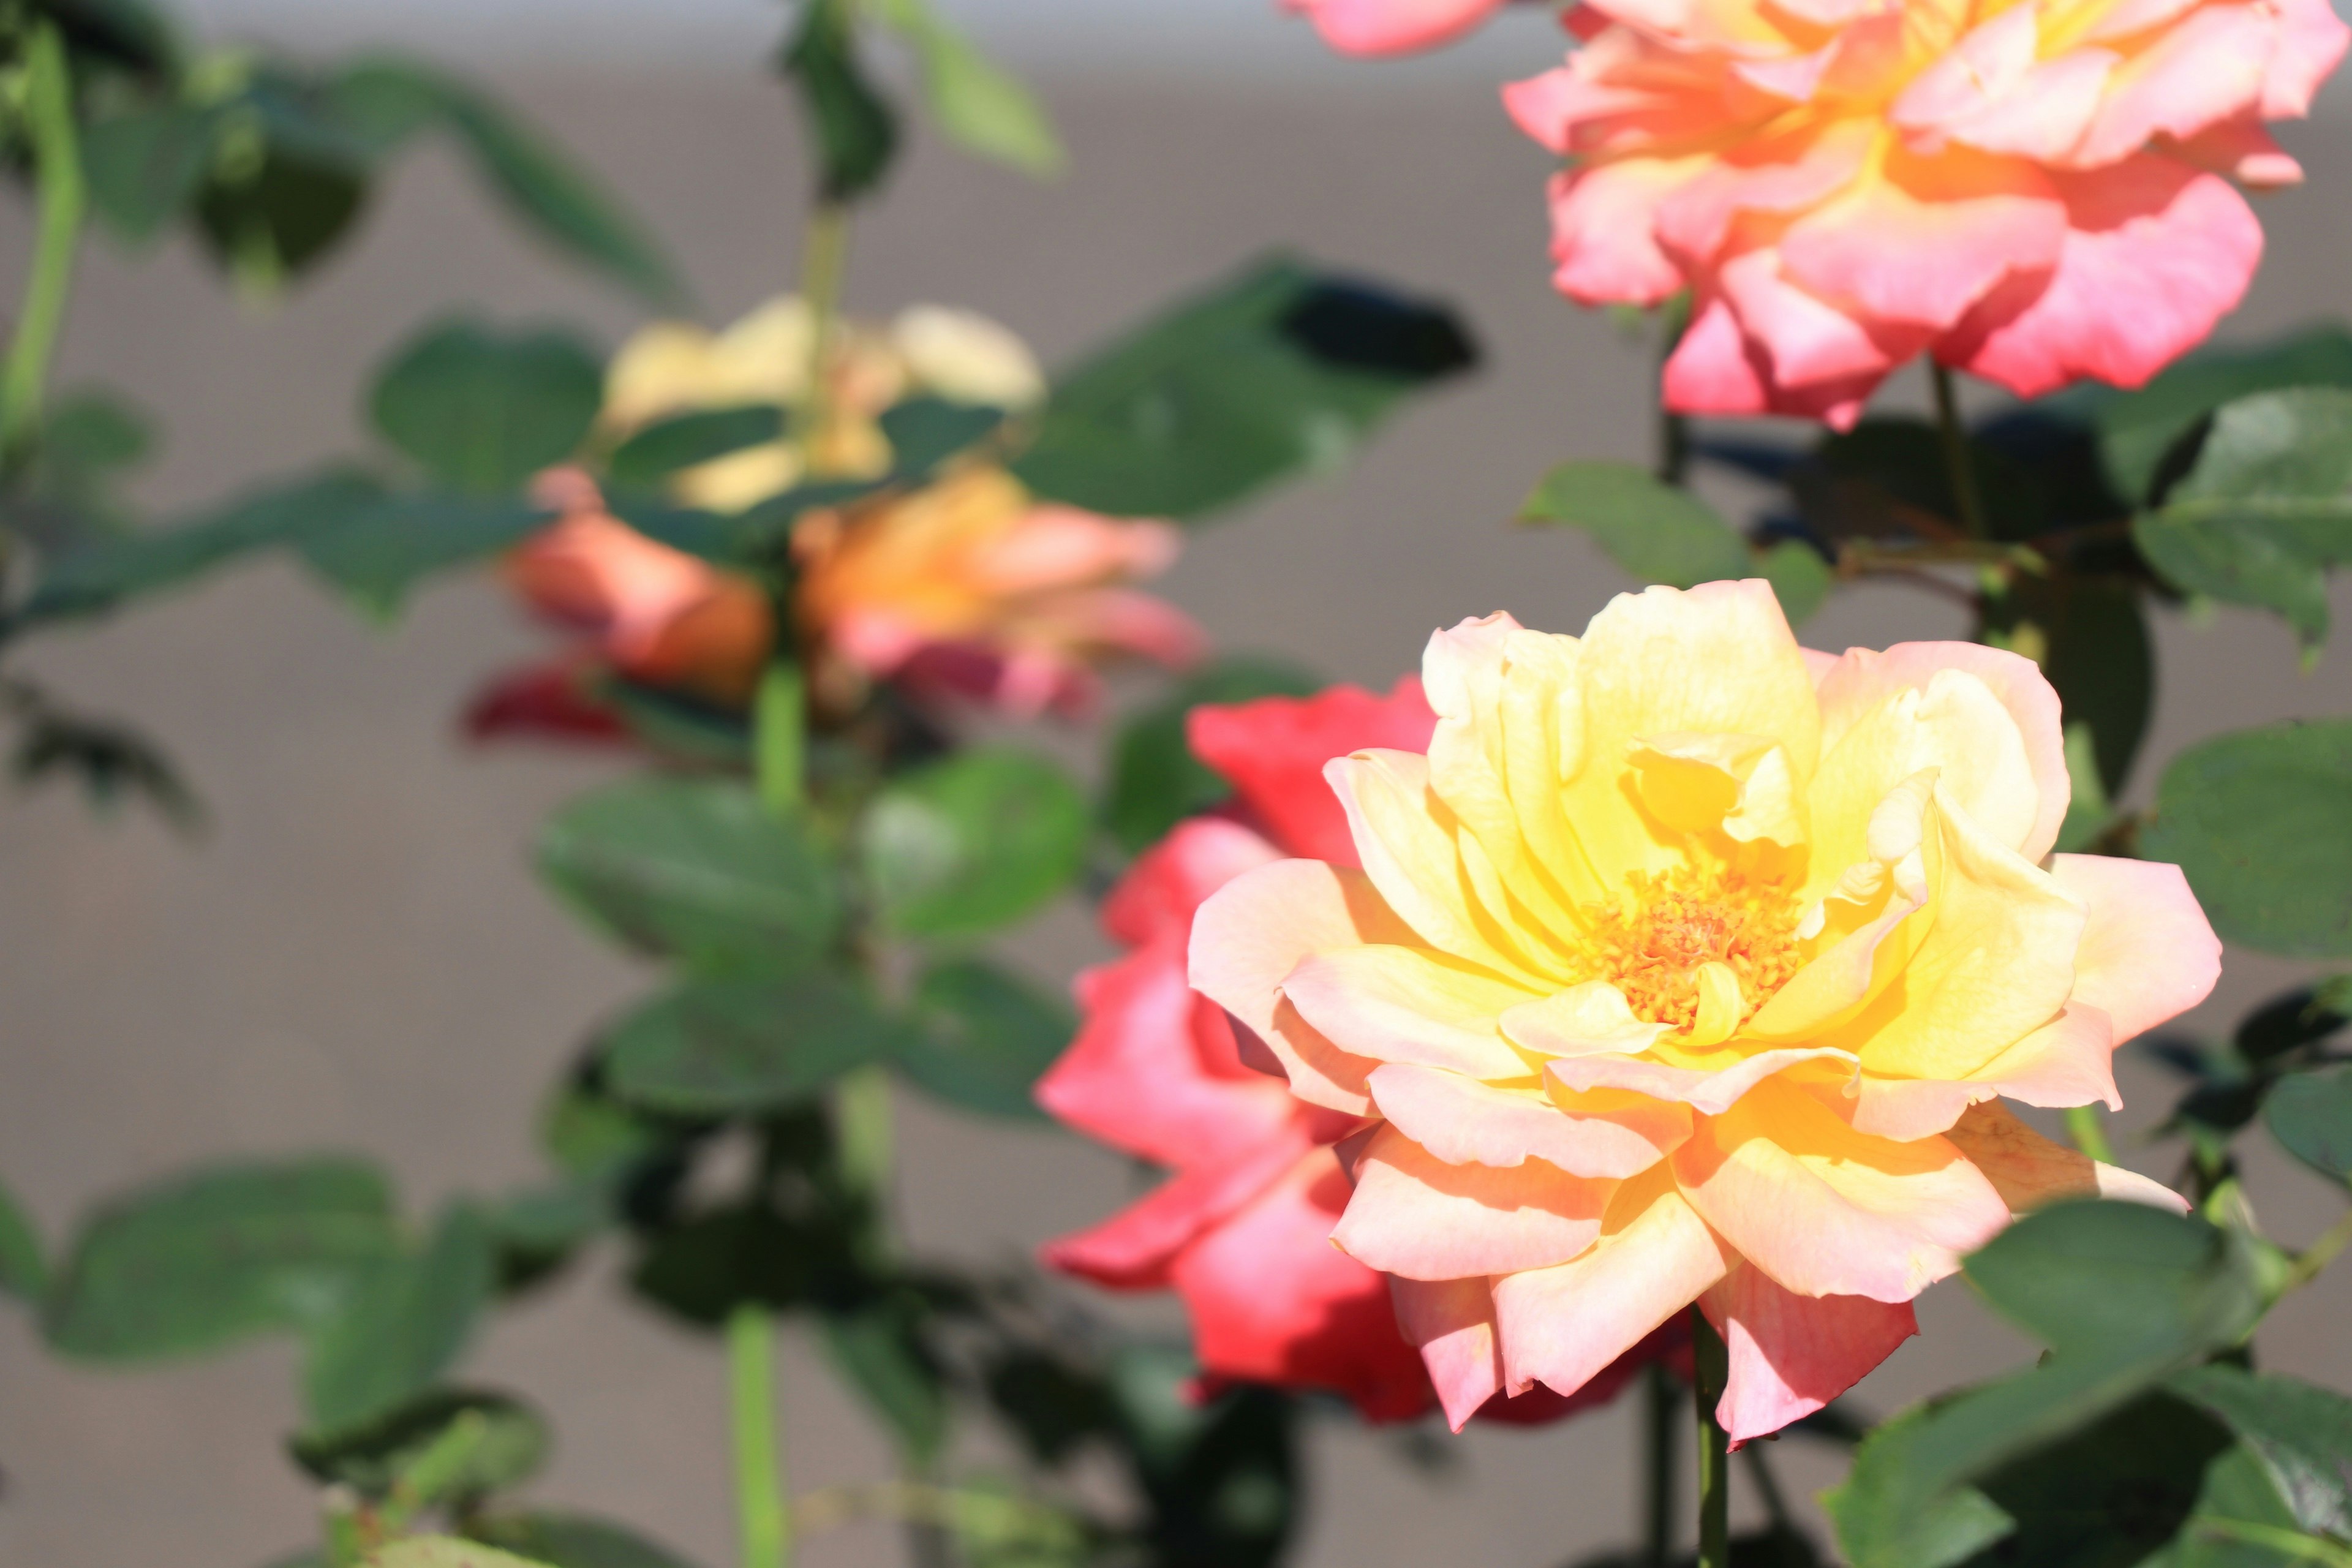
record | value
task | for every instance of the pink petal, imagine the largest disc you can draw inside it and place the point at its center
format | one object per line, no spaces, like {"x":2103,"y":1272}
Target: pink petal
{"x":1462,"y":1121}
{"x":1272,"y":1300}
{"x":2069,"y":1061}
{"x":1562,"y":1326}
{"x":2155,"y":254}
{"x":1604,"y":244}
{"x":1414,"y":1215}
{"x":1551,"y":107}
{"x":1392,"y":27}
{"x":1133,"y":1249}
{"x":1710,"y":1093}
{"x":2028,"y":1171}
{"x":1397,"y":1003}
{"x":1791,"y":1354}
{"x":1786,"y":174}
{"x":1807,"y":341}
{"x":1170,"y":881}
{"x":1716,"y":370}
{"x":1453,"y":1323}
{"x":2311,"y":44}
{"x":1273,"y":751}
{"x":2243,"y":150}
{"x":2207,"y":67}
{"x":2147,"y":954}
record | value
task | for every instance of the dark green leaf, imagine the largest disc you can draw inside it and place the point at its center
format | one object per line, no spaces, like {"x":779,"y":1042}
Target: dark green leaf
{"x":2109,"y":1496}
{"x":879,"y":1348}
{"x":924,"y":432}
{"x":482,"y":411}
{"x":985,"y":1037}
{"x":1890,"y":479}
{"x":272,"y":215}
{"x":24,"y":1267}
{"x":2261,"y":820}
{"x":377,"y":553}
{"x":978,"y":105}
{"x":1219,"y":1476}
{"x":855,"y":134}
{"x":112,"y":763}
{"x":666,"y":445}
{"x":2301,"y":1435}
{"x":963,"y":846}
{"x":144,"y":166}
{"x":575,"y":1541}
{"x":695,"y":868}
{"x":127,"y":35}
{"x":2267,"y":508}
{"x":1155,"y":780}
{"x":702,"y":1269}
{"x":402,"y":1324}
{"x":1657,"y":531}
{"x":734,"y":1046}
{"x":87,"y":437}
{"x":499,"y":1442}
{"x":198,"y":1263}
{"x":1275,"y":372}
{"x":1801,"y":579}
{"x":2310,"y":1113}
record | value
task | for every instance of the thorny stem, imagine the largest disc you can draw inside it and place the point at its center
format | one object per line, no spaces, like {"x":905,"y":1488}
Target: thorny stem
{"x":764,"y":1523}
{"x":1661,"y":1402}
{"x":824,"y":259}
{"x":63,"y":196}
{"x":1711,"y":1366}
{"x":1956,"y":452}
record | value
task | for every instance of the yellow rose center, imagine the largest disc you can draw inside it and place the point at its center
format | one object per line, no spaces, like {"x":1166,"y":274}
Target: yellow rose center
{"x":1652,"y":944}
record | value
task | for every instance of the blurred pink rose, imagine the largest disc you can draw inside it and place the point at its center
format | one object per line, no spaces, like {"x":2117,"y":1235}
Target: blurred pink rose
{"x":1394,"y":27}
{"x":1242,"y":1230}
{"x":2034,"y":194}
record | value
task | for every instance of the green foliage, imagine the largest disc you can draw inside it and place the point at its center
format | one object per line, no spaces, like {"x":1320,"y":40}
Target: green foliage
{"x":977,"y":105}
{"x":1657,"y":531}
{"x":376,"y":554}
{"x":573,"y":1540}
{"x":697,"y":869}
{"x":481,"y":411}
{"x":878,"y":1346}
{"x":198,"y":1263}
{"x":476,"y":1443}
{"x":854,"y":132}
{"x":1277,"y":370}
{"x":2310,"y":1113}
{"x":2232,"y":1081}
{"x":405,"y":1322}
{"x":963,"y":846}
{"x":2267,"y":509}
{"x":685,"y":440}
{"x":1219,"y":1475}
{"x":985,"y":1037}
{"x":2300,"y":1434}
{"x":1155,"y":780}
{"x":2261,"y":821}
{"x":23,"y":1267}
{"x":2123,"y":1295}
{"x":2096,"y":652}
{"x":741,"y":1046}
{"x":1801,"y":579}
{"x":2140,"y":434}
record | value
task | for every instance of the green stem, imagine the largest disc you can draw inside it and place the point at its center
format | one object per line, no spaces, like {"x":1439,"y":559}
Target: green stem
{"x":1963,"y":472}
{"x":764,"y":1522}
{"x":56,"y":167}
{"x":2089,"y":1131}
{"x":2292,"y":1544}
{"x":780,"y":738}
{"x":1711,"y":1365}
{"x":1662,"y":1400}
{"x":2312,"y":1261}
{"x":824,"y":260}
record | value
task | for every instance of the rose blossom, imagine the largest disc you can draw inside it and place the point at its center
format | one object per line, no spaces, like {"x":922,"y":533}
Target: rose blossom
{"x":1684,"y":966}
{"x":1394,"y":27}
{"x":2032,"y":192}
{"x":1240,"y":1229}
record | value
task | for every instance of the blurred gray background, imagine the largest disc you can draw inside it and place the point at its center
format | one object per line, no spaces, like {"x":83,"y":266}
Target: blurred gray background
{"x":357,"y":955}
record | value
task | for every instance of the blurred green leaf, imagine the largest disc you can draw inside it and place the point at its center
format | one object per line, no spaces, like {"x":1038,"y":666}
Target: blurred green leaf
{"x":2301,"y":1435}
{"x":2261,"y":821}
{"x":502,"y":1443}
{"x":90,"y":435}
{"x":701,"y":1270}
{"x":741,"y":1046}
{"x":985,"y":1037}
{"x":1801,"y":579}
{"x":575,"y":1541}
{"x":2310,"y":1113}
{"x":403,"y":1323}
{"x":482,"y":411}
{"x":1279,"y":370}
{"x":24,"y":1267}
{"x":443,"y":1551}
{"x":1155,"y":780}
{"x":376,"y":554}
{"x":202,"y":1262}
{"x":856,"y":136}
{"x":965,"y":846}
{"x":978,"y":106}
{"x":695,"y":868}
{"x":877,"y":1347}
{"x":2267,"y":508}
{"x":925,"y":432}
{"x":270,"y":214}
{"x":662,"y":449}
{"x":1657,"y":531}
{"x":1220,"y":1476}
{"x":1887,"y":477}
{"x":144,"y":166}
{"x":125,"y":35}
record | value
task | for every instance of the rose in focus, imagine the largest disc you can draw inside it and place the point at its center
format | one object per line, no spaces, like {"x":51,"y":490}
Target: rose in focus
{"x":1241,"y":1230}
{"x":2033,"y":193}
{"x":1684,"y":965}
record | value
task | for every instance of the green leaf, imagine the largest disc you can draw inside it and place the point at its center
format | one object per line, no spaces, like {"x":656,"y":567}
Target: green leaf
{"x":2310,"y":1113}
{"x":24,"y":1267}
{"x":2137,"y":430}
{"x":2267,"y":508}
{"x":575,"y":1541}
{"x":925,"y":432}
{"x":651,"y":456}
{"x":2301,"y":1435}
{"x":375,"y":554}
{"x":1657,"y":531}
{"x":1155,"y":780}
{"x":144,"y":167}
{"x":403,"y":1323}
{"x":963,"y":846}
{"x":443,"y":1551}
{"x":561,"y":203}
{"x":695,"y":868}
{"x":878,"y":1348}
{"x":481,"y":411}
{"x":499,"y":1442}
{"x":739,"y":1046}
{"x":978,"y":106}
{"x":88,"y":435}
{"x":1801,"y":579}
{"x":201,"y":1262}
{"x":2261,"y":821}
{"x":271,"y":213}
{"x":986,"y":1037}
{"x":1277,"y":370}
{"x":106,"y":570}
{"x":855,"y":134}
{"x":701,"y":1270}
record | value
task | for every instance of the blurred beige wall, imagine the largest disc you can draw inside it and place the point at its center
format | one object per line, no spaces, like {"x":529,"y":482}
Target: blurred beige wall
{"x":357,"y":956}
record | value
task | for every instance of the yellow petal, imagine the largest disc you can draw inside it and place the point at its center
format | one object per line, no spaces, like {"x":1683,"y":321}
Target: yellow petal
{"x":1719,"y":1005}
{"x":1579,"y":1021}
